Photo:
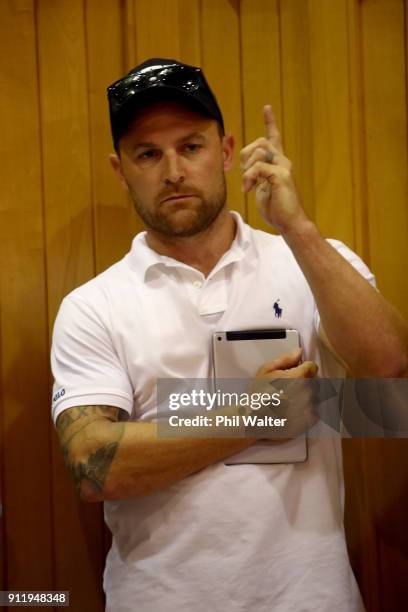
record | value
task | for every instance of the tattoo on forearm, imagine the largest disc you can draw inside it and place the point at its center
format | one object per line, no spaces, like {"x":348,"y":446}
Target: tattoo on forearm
{"x":92,"y":472}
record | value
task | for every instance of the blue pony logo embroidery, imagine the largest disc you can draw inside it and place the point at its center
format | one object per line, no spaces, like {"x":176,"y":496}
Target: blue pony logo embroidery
{"x":277,"y":309}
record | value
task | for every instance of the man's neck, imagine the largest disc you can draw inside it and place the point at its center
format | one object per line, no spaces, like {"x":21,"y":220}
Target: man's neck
{"x":201,"y":251}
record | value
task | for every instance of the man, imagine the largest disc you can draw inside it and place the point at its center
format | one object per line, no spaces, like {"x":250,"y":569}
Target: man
{"x":189,"y":531}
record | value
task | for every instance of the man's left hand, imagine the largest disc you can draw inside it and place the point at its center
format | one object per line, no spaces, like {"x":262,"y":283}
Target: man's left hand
{"x":267,"y":170}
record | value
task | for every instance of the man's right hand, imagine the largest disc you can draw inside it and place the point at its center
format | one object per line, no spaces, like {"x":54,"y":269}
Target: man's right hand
{"x":298,"y":397}
{"x":287,"y":366}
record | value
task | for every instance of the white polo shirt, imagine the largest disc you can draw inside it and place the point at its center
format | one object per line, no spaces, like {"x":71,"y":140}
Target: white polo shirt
{"x":229,"y":538}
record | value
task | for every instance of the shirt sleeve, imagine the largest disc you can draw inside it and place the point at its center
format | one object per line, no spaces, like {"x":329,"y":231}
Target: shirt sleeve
{"x":365,"y":272}
{"x":86,"y":368}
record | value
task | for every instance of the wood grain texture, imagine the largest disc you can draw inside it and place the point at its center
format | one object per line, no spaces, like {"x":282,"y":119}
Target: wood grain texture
{"x":378,"y":105}
{"x":129,"y":35}
{"x":390,"y":517}
{"x":336,"y":75}
{"x":297,"y":97}
{"x":156,"y":29}
{"x":331,"y":120}
{"x":167,"y":28}
{"x":222,"y":66}
{"x":24,"y":347}
{"x":385,"y":111}
{"x":357,"y":141}
{"x":66,"y":168}
{"x":69,"y":220}
{"x":114,"y":217}
{"x":261,"y":77}
{"x":3,"y":577}
{"x":190,"y":31}
{"x":359,"y":459}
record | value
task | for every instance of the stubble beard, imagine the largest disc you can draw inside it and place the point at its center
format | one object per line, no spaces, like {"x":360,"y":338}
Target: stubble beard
{"x":162,"y":218}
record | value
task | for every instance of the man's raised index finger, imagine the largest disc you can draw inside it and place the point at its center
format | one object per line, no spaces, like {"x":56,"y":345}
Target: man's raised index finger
{"x":269,"y":121}
{"x":271,"y":129}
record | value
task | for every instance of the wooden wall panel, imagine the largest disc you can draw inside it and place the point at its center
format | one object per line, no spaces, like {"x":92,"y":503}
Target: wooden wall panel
{"x":167,"y":28}
{"x":390,"y":522}
{"x":359,"y":458}
{"x":261,"y":77}
{"x":385,"y":112}
{"x":24,"y":365}
{"x":115,"y":220}
{"x":222,"y":66}
{"x":64,"y":117}
{"x":331,"y":120}
{"x":297,"y":97}
{"x":376,"y":476}
{"x":129,"y":34}
{"x":64,"y":217}
{"x":157,"y":29}
{"x":357,"y":144}
{"x":406,"y":50}
{"x":189,"y":31}
{"x":3,"y":578}
{"x":376,"y":519}
{"x":69,"y":223}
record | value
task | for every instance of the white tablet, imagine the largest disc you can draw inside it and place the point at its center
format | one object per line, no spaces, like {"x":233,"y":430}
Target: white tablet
{"x":238,"y":355}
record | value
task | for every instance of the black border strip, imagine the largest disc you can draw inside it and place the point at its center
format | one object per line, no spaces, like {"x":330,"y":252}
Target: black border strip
{"x":256,"y":334}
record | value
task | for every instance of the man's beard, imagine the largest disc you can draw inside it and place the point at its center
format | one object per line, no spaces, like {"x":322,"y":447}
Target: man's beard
{"x":161,"y":218}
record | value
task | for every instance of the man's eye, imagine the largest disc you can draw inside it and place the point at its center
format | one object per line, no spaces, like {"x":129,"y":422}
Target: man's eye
{"x":146,"y":155}
{"x":192,"y":147}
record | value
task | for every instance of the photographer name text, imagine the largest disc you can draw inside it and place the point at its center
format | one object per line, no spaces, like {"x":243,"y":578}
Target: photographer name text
{"x":219,"y":420}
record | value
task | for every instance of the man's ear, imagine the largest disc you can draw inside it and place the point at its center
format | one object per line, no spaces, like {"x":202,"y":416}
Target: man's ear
{"x":117,"y":166}
{"x":228,"y":146}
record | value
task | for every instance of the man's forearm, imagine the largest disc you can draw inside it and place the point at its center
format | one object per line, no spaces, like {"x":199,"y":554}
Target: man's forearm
{"x":365,"y":331}
{"x":117,"y":460}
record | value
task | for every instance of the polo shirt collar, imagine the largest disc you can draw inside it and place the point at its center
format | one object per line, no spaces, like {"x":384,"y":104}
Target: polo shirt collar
{"x":142,"y":258}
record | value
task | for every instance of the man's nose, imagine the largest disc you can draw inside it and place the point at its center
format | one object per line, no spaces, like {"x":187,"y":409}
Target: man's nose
{"x":173,"y":170}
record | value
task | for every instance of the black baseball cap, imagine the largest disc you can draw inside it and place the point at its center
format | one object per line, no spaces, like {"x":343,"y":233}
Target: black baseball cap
{"x":154,"y":80}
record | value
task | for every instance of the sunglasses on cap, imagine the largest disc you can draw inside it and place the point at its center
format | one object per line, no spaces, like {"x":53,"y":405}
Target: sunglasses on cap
{"x":183,"y":78}
{"x":159,"y":77}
